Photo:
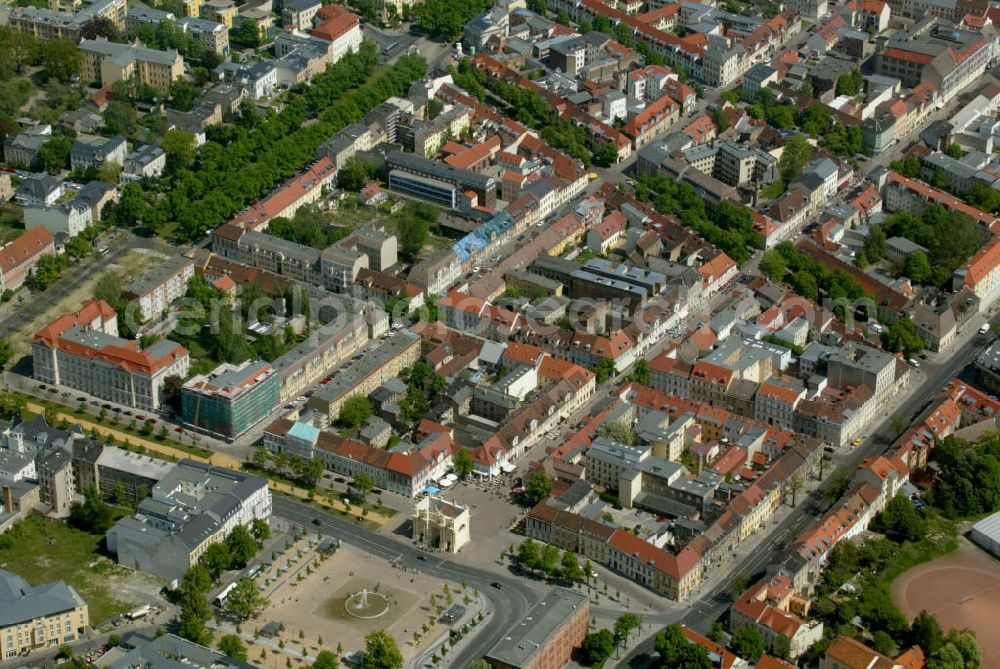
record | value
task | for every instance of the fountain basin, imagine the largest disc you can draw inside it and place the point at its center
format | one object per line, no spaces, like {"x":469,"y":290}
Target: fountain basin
{"x":366,"y":604}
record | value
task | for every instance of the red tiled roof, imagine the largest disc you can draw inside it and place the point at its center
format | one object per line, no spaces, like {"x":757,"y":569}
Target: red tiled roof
{"x":948,"y":200}
{"x":717,"y":267}
{"x":336,"y":22}
{"x":980,"y":265}
{"x":474,"y":154}
{"x":911,"y":56}
{"x":712,"y":373}
{"x":651,"y":114}
{"x":727,"y":658}
{"x":256,"y":215}
{"x":24,"y":248}
{"x":125,"y":355}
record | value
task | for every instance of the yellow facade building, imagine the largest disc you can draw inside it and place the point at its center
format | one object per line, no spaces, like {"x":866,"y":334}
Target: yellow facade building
{"x":42,"y":617}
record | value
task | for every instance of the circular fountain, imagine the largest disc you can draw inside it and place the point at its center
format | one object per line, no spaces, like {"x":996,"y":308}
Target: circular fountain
{"x":366,"y":604}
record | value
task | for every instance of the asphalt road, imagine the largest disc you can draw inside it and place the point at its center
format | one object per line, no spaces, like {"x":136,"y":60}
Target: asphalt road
{"x":508,"y":603}
{"x":706,"y":610}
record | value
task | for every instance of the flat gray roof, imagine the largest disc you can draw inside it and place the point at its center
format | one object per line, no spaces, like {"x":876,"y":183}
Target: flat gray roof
{"x":534,"y":630}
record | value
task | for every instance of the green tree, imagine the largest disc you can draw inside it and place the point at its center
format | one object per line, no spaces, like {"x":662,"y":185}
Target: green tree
{"x":53,"y":155}
{"x":620,"y":431}
{"x":381,"y":652}
{"x":772,"y":265}
{"x":674,"y":651}
{"x":244,"y":601}
{"x":260,"y":530}
{"x":597,"y":647}
{"x":625,"y":625}
{"x":917,"y":267}
{"x":246,"y":34}
{"x":968,"y":647}
{"x":362,"y":484}
{"x":874,"y":247}
{"x":17,"y":49}
{"x":903,"y":336}
{"x":77,"y":247}
{"x":61,"y":59}
{"x":640,"y":372}
{"x":604,"y":369}
{"x":182,"y":95}
{"x":93,"y":514}
{"x":120,"y":118}
{"x":313,"y":471}
{"x":982,"y":196}
{"x":216,"y":559}
{"x":794,"y":157}
{"x":537,"y":487}
{"x":356,"y":174}
{"x":570,"y":568}
{"x":197,"y":581}
{"x":748,"y":643}
{"x":849,"y":83}
{"x":900,"y":520}
{"x":355,"y":410}
{"x":549,"y":560}
{"x":179,"y":147}
{"x":6,"y":353}
{"x":412,"y":232}
{"x":192,"y":626}
{"x":883,"y":643}
{"x":12,"y":405}
{"x":326,"y":660}
{"x":232,"y":645}
{"x":529,"y":555}
{"x":462,"y":462}
{"x":908,"y":166}
{"x":926,"y":632}
{"x":242,"y":547}
{"x":781,"y":646}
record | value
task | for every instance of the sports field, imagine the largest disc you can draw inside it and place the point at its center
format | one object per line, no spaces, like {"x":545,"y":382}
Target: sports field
{"x":962,"y":590}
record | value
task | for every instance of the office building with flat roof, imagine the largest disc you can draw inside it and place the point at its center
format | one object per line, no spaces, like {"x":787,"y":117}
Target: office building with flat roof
{"x":437,"y":181}
{"x":361,"y":377}
{"x":232,"y":399}
{"x":546,"y":636}
{"x":160,"y":286}
{"x":192,"y":507}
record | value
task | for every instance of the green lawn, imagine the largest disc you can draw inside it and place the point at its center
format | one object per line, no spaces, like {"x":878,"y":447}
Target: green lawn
{"x":42,"y":551}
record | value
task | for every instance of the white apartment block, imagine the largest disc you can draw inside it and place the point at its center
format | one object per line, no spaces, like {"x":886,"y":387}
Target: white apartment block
{"x":156,"y":289}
